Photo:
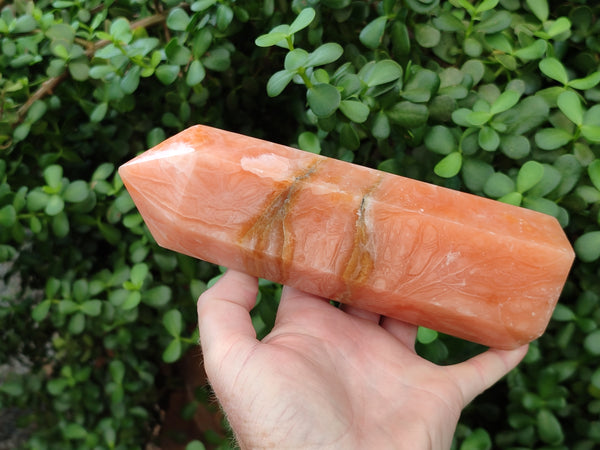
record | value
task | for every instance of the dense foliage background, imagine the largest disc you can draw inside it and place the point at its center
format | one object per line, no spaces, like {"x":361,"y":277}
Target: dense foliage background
{"x":495,"y":97}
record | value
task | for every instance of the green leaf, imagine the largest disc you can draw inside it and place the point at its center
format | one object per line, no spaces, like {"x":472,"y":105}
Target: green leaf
{"x":587,"y":246}
{"x":117,"y":370}
{"x":278,"y":82}
{"x":475,"y":173}
{"x":270,"y":39}
{"x":323,"y":99}
{"x":381,"y":72}
{"x":408,"y":114}
{"x":167,"y":73}
{"x":354,"y":110}
{"x":585,"y":83}
{"x":133,"y":299}
{"x":440,"y":140}
{"x":131,"y":80}
{"x":8,"y":216}
{"x":594,"y":173}
{"x":224,"y":16}
{"x":592,"y":341}
{"x":138,"y":274}
{"x":426,"y":336}
{"x":529,"y":175}
{"x":472,"y":47}
{"x":99,"y":112}
{"x":173,"y":351}
{"x":532,"y":51}
{"x":303,"y":20}
{"x":550,"y":180}
{"x":449,"y":166}
{"x":570,"y":105}
{"x":552,"y":138}
{"x":325,"y":54}
{"x":498,"y":185}
{"x":427,"y":36}
{"x":100,"y":71}
{"x":422,"y":6}
{"x":13,"y":387}
{"x":36,"y":111}
{"x":24,"y":24}
{"x":195,"y":73}
{"x":505,"y":101}
{"x":539,"y":8}
{"x":488,"y":139}
{"x":295,"y":59}
{"x":549,"y":428}
{"x":512,"y":198}
{"x":477,"y":118}
{"x":53,"y":176}
{"x":173,"y":322}
{"x":155,"y":136}
{"x":494,"y":22}
{"x":591,"y":132}
{"x":372,"y":34}
{"x":349,"y":137}
{"x":76,"y":191}
{"x":54,"y":205}
{"x":157,"y":297}
{"x":559,"y":26}
{"x":381,"y":126}
{"x":486,"y":5}
{"x":40,"y":311}
{"x":195,"y":445}
{"x":515,"y":147}
{"x":178,"y":19}
{"x":76,"y":323}
{"x":201,"y":5}
{"x":479,"y":439}
{"x":177,"y":54}
{"x":74,"y":431}
{"x":553,"y":68}
{"x":217,"y":59}
{"x":79,"y":70}
{"x":309,"y":142}
{"x":423,"y":81}
{"x":446,"y":21}
{"x":91,"y":307}
{"x":562,"y":313}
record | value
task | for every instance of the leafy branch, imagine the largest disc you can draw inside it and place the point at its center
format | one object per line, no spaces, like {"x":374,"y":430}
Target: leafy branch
{"x":51,"y":83}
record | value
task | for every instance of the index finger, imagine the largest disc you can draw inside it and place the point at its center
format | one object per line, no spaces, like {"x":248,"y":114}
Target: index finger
{"x":224,"y":317}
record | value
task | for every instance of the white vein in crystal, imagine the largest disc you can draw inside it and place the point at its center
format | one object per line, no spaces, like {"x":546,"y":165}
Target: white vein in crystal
{"x":174,"y":150}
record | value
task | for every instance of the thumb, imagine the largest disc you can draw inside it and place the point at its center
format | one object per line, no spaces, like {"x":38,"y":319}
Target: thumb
{"x":224,"y":319}
{"x":482,"y":371}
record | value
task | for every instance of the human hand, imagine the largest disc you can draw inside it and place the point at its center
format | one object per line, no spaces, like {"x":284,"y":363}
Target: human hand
{"x":332,"y":378}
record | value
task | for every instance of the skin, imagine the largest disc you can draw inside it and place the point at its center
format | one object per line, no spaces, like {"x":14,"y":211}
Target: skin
{"x":327,"y":378}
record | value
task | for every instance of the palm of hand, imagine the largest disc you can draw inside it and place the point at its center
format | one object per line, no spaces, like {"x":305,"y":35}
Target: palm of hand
{"x":327,"y":378}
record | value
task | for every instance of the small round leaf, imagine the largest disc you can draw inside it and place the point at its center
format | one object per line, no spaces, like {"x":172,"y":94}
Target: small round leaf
{"x":449,"y":166}
{"x":372,"y":34}
{"x":173,"y":351}
{"x":587,"y":246}
{"x":323,"y":99}
{"x":570,"y":105}
{"x":173,"y":322}
{"x":354,"y":110}
{"x":529,"y":175}
{"x":303,"y":20}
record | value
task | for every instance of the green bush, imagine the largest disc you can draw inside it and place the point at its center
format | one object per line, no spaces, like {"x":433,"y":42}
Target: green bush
{"x":499,"y":98}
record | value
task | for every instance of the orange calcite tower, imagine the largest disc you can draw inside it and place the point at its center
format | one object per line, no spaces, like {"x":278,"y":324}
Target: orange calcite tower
{"x":461,"y":264}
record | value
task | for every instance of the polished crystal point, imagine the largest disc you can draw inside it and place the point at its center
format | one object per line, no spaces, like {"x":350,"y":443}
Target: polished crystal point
{"x":461,"y":264}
